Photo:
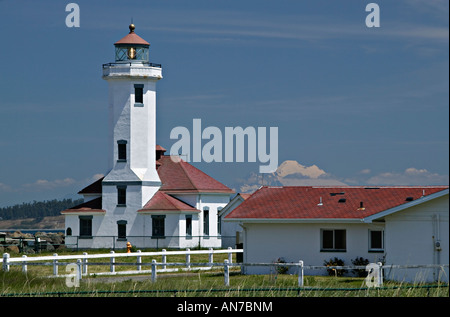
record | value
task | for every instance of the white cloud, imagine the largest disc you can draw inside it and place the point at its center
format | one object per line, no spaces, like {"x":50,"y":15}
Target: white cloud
{"x":289,"y":173}
{"x":43,"y":184}
{"x":4,"y":187}
{"x":365,"y":171}
{"x":410,"y":176}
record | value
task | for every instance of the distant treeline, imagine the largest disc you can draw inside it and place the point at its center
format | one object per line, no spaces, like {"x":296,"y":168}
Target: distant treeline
{"x":37,"y":209}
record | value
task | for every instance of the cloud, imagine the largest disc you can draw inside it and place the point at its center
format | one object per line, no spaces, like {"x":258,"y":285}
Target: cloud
{"x":292,"y":173}
{"x":289,"y":173}
{"x":410,"y":176}
{"x":43,"y":184}
{"x":4,"y":188}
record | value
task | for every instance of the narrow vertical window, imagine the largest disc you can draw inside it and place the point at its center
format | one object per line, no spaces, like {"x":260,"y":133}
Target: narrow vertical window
{"x":189,"y":225}
{"x":122,"y":229}
{"x":219,"y":221}
{"x":206,"y":221}
{"x":139,"y":93}
{"x":121,"y":150}
{"x":121,"y":196}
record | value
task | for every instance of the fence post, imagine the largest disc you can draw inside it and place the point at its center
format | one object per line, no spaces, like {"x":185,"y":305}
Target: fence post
{"x":55,"y":265}
{"x":85,"y":267}
{"x":24,"y":264}
{"x":226,"y":272}
{"x":164,"y":259}
{"x":211,"y":257}
{"x":5,"y":262}
{"x":111,"y":266}
{"x":188,"y":258}
{"x":380,"y":274}
{"x":230,"y":255}
{"x":153,"y":271}
{"x":139,"y":260}
{"x":300,"y":274}
{"x":79,"y":272}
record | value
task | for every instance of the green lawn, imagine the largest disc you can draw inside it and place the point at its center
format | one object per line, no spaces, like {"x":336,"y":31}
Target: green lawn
{"x":198,"y":283}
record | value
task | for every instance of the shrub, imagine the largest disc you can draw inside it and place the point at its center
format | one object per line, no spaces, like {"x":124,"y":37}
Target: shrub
{"x":281,"y":269}
{"x":335,"y":262}
{"x":360,"y":261}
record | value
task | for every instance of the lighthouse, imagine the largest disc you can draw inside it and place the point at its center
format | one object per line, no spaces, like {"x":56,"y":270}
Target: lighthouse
{"x":132,"y":179}
{"x":146,"y":198}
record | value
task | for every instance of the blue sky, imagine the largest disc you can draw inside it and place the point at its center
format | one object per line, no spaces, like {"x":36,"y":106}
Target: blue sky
{"x":364,"y":105}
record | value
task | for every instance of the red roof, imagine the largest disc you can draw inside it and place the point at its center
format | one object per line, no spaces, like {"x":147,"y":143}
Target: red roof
{"x":176,"y":177}
{"x":132,"y":38}
{"x":306,"y":202}
{"x":164,"y":202}
{"x":181,"y":176}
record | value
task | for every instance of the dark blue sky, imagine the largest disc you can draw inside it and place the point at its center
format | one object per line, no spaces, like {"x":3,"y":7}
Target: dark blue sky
{"x":366,"y":105}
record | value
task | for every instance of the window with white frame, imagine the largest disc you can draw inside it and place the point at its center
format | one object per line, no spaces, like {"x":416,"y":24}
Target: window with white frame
{"x":206,"y":221}
{"x":333,"y":240}
{"x":376,"y":240}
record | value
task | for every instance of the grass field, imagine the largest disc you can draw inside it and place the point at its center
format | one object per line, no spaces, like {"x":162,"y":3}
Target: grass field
{"x":199,"y":283}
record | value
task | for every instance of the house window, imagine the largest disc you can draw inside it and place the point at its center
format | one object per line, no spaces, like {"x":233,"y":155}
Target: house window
{"x":139,"y":94}
{"x":121,"y":151}
{"x":333,"y":240}
{"x":122,"y":229}
{"x":69,"y":231}
{"x":376,"y":240}
{"x":206,"y":221}
{"x":121,"y":196}
{"x":189,"y":225}
{"x":219,"y":221}
{"x":85,"y":226}
{"x":158,"y":226}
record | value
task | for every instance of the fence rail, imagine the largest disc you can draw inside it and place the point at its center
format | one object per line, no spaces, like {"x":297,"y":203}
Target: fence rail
{"x":375,"y":270}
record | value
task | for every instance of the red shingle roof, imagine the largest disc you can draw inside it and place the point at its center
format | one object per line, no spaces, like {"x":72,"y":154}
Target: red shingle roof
{"x":183,"y":177}
{"x":164,"y":202}
{"x":306,"y":202}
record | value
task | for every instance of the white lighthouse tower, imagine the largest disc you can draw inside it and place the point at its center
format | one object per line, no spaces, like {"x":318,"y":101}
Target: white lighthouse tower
{"x":146,"y":198}
{"x":133,"y":179}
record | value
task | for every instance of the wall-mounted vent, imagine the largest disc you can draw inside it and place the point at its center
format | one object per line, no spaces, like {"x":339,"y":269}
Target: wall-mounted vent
{"x":409,"y":198}
{"x":334,"y":194}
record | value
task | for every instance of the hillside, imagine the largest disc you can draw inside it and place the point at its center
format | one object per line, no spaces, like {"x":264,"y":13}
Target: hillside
{"x":51,"y":222}
{"x":36,"y":215}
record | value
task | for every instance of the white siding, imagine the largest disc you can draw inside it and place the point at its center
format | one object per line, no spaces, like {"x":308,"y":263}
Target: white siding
{"x":294,"y":242}
{"x":411,"y":234}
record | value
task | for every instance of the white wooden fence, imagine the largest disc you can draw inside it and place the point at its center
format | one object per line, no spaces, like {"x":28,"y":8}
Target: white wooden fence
{"x":375,"y":270}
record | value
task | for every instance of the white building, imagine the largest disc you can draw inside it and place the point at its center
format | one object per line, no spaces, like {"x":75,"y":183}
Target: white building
{"x":395,"y":225}
{"x":229,"y":228}
{"x":147,"y":198}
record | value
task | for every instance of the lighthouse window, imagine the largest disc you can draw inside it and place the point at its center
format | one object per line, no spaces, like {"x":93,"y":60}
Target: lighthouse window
{"x":122,"y":150}
{"x":121,"y":230}
{"x":139,"y":93}
{"x":121,"y":196}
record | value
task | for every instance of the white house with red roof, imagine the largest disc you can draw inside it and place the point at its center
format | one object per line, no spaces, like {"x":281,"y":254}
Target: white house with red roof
{"x":396,"y":225}
{"x":147,"y":198}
